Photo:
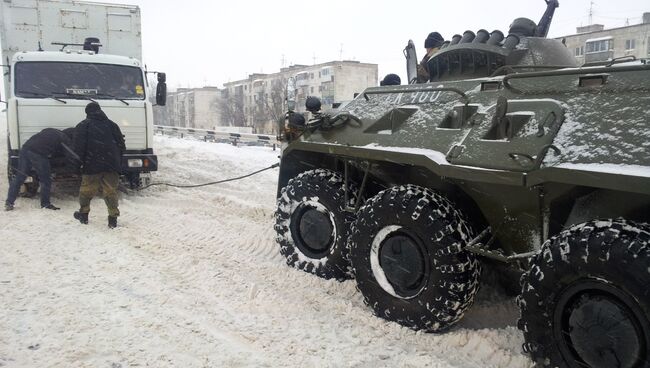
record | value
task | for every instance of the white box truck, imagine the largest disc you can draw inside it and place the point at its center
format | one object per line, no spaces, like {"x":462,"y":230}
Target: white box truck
{"x":59,"y":55}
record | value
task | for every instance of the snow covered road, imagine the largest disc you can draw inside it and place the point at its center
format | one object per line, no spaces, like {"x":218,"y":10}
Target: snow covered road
{"x":193,"y":278}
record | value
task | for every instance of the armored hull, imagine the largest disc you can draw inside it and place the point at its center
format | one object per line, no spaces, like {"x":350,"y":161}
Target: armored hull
{"x":510,"y":159}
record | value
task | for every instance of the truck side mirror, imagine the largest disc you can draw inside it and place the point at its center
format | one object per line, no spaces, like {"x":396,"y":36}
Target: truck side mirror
{"x":161,"y":90}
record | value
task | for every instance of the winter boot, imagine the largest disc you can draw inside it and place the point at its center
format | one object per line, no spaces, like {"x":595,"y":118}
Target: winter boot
{"x":51,"y":207}
{"x":9,"y":207}
{"x":112,"y":222}
{"x":82,"y":217}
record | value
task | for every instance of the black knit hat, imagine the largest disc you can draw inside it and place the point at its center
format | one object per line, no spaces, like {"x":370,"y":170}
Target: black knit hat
{"x":391,"y":80}
{"x":93,"y":107}
{"x":434,"y":39}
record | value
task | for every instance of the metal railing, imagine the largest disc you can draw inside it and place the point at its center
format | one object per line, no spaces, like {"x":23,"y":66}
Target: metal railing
{"x":218,"y":136}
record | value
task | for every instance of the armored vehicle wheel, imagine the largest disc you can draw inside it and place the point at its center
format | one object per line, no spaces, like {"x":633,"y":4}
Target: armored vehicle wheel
{"x":406,"y":250}
{"x":312,"y":224}
{"x":585,"y":301}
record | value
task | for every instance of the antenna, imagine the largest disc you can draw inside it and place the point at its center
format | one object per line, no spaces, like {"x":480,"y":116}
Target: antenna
{"x":283,"y":61}
{"x":341,"y":53}
{"x":314,"y":58}
{"x":591,"y":13}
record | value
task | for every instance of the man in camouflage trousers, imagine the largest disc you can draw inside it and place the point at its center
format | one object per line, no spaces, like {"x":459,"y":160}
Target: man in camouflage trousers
{"x":99,"y":143}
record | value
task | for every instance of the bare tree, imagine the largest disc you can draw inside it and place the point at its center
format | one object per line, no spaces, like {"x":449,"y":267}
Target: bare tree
{"x":232,"y":109}
{"x":269,"y":105}
{"x":276,"y":103}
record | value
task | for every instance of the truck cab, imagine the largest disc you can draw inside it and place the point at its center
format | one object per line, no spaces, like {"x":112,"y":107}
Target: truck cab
{"x":51,"y":90}
{"x":61,"y":55}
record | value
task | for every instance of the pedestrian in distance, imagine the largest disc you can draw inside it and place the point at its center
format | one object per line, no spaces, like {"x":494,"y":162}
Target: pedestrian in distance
{"x":99,"y":143}
{"x":432,"y":44}
{"x":35,"y":154}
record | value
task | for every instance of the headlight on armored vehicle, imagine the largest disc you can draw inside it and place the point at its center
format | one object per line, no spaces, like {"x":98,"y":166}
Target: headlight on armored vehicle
{"x":135,"y":162}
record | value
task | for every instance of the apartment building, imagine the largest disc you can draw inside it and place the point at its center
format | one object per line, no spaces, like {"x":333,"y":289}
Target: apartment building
{"x":594,"y":43}
{"x":198,"y":108}
{"x":259,"y":100}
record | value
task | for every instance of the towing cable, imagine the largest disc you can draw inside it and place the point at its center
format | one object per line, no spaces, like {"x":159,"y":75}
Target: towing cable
{"x":207,"y":184}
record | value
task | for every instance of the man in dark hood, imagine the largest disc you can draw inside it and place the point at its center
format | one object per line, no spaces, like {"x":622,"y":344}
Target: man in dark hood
{"x":36,"y":153}
{"x":99,"y":143}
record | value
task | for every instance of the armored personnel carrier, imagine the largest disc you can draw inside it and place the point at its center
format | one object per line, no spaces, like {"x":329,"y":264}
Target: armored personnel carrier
{"x":511,"y":158}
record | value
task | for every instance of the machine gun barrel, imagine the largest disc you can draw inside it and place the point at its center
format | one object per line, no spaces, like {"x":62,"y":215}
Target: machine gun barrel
{"x":545,"y":23}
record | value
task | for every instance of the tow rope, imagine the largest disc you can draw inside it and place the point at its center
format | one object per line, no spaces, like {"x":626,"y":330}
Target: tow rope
{"x":207,"y":184}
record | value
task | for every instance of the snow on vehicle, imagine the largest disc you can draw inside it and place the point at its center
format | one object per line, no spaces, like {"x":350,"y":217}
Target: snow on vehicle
{"x":510,"y":158}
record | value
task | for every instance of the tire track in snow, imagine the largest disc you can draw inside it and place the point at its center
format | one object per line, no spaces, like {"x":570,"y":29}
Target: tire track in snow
{"x":193,"y":278}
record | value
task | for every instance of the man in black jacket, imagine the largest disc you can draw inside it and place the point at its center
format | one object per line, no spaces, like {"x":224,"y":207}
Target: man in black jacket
{"x":36,"y":153}
{"x":99,"y":143}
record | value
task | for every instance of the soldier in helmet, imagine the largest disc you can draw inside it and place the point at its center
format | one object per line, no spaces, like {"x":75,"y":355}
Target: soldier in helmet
{"x":391,"y":80}
{"x":432,"y":45}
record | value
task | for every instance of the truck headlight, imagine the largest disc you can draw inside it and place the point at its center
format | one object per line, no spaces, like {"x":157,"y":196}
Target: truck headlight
{"x":135,"y":162}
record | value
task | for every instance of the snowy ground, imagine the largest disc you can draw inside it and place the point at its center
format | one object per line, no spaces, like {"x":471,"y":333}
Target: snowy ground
{"x":193,"y":278}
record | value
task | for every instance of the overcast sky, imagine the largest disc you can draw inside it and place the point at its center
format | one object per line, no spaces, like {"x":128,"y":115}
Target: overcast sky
{"x":212,"y":42}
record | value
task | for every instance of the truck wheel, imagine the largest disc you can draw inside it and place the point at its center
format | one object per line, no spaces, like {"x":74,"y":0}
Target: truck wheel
{"x":312,"y":224}
{"x":407,"y":255}
{"x":586,"y":298}
{"x":31,"y":189}
{"x":134,"y":181}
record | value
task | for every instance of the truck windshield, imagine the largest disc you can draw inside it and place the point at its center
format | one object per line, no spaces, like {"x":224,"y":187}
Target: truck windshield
{"x":78,"y":80}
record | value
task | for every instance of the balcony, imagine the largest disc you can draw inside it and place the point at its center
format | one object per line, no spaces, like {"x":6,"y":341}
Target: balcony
{"x":302,"y":79}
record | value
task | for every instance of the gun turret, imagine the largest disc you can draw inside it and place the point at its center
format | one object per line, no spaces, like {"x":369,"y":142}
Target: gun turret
{"x":545,"y":23}
{"x":479,"y":55}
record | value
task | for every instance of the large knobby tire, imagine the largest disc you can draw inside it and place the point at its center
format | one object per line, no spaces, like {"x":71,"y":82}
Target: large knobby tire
{"x":407,"y":254}
{"x":312,"y":223}
{"x":586,"y":299}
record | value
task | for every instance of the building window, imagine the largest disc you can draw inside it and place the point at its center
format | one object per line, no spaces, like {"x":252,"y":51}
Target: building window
{"x":630,"y":45}
{"x":599,"y":46}
{"x":311,"y":75}
{"x":580,"y":51}
{"x":332,"y":78}
{"x":312,"y":90}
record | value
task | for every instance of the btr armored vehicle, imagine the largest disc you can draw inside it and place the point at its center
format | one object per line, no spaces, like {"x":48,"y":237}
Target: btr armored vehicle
{"x":511,"y":158}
